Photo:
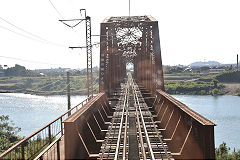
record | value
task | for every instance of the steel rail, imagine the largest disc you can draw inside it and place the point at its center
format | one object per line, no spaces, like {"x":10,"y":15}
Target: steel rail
{"x":139,"y":131}
{"x":143,"y":123}
{"x":121,"y":123}
{"x":158,"y":135}
{"x":150,"y":148}
{"x":125,"y":131}
{"x":112,"y":127}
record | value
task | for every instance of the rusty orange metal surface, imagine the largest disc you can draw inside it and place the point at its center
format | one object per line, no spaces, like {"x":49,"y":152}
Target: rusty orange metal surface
{"x":85,"y":129}
{"x":132,"y":40}
{"x":188,"y":134}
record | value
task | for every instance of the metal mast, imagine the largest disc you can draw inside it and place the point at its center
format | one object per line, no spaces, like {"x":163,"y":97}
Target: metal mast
{"x":89,"y":56}
{"x":88,"y":47}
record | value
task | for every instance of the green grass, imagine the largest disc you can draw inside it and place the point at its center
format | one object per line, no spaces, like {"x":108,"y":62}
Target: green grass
{"x":201,"y":86}
{"x":200,"y":83}
{"x":47,"y":85}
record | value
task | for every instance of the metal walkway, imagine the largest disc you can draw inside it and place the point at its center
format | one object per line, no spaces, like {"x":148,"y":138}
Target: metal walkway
{"x":133,"y":133}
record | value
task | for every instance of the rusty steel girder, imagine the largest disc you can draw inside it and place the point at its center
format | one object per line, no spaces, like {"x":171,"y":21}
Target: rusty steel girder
{"x":188,"y":134}
{"x":133,"y":40}
{"x":84,"y":131}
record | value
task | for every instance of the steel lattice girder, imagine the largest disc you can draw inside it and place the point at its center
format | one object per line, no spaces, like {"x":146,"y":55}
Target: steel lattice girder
{"x":130,"y":40}
{"x":89,"y":57}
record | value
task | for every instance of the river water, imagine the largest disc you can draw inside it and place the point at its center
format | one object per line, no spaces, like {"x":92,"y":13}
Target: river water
{"x":31,"y":112}
{"x":223,"y":111}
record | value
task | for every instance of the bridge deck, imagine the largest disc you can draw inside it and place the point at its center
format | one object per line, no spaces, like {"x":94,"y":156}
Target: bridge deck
{"x":133,"y":133}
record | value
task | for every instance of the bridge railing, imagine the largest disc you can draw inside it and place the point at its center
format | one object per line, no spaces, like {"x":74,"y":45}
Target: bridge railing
{"x":31,"y":146}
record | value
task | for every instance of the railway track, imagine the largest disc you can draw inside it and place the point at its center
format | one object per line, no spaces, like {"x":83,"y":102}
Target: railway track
{"x":133,"y":133}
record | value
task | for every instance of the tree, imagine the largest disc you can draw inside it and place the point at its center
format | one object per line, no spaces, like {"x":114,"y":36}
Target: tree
{"x":236,"y":154}
{"x":222,"y":152}
{"x":8,"y":133}
{"x":18,"y":70}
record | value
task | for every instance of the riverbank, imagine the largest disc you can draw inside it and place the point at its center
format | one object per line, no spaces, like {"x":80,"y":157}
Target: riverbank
{"x":227,"y":83}
{"x":232,"y":89}
{"x":196,"y":88}
{"x":200,"y":86}
{"x":48,"y":85}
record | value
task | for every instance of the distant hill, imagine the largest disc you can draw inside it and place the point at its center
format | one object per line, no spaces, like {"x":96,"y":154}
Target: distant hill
{"x":209,"y":63}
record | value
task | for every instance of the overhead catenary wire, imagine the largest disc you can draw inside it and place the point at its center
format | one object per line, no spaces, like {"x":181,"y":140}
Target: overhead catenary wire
{"x":23,"y":30}
{"x":56,"y":9}
{"x":24,"y":60}
{"x":20,"y":34}
{"x":71,"y":26}
{"x":30,"y":35}
{"x":96,"y":43}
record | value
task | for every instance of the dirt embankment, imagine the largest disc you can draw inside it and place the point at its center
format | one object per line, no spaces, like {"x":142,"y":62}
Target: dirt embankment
{"x":231,"y":88}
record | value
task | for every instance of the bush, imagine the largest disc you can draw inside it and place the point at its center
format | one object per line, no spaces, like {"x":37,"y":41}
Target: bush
{"x":215,"y":91}
{"x":8,"y":133}
{"x":202,"y":92}
{"x":201,"y":86}
{"x":230,"y":76}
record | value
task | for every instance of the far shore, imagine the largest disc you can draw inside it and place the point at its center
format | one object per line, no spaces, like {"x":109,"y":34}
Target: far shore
{"x":230,"y":89}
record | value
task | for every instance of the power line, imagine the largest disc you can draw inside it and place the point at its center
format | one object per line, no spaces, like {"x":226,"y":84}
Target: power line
{"x":56,"y":9}
{"x":87,"y":20}
{"x":22,"y":29}
{"x":20,"y":34}
{"x":96,"y":43}
{"x":37,"y":38}
{"x":28,"y":60}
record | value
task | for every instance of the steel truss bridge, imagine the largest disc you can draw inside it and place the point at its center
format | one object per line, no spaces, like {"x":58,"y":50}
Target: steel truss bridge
{"x":131,"y":117}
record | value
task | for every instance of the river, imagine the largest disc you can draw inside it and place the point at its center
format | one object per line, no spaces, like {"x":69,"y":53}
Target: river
{"x":31,"y":112}
{"x":223,"y":111}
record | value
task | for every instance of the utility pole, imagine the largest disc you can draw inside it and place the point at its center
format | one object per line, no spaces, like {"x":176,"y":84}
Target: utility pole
{"x":237,"y":61}
{"x":88,"y":47}
{"x":68,"y":93}
{"x":129,"y":7}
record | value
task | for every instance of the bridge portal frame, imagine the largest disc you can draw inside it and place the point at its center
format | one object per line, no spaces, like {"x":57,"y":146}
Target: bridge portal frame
{"x":147,"y":62}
